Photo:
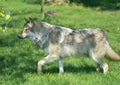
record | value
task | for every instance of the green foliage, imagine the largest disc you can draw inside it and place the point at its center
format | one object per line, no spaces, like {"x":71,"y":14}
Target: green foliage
{"x":32,"y":1}
{"x":104,"y":4}
{"x":18,"y":58}
{"x":4,"y":18}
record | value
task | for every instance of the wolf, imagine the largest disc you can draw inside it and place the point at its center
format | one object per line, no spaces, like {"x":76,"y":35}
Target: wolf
{"x":60,"y":42}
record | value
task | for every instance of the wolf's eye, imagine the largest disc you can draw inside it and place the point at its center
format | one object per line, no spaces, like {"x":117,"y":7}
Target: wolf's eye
{"x":26,"y":30}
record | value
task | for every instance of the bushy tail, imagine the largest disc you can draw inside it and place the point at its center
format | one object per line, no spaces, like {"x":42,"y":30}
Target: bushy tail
{"x":111,"y":54}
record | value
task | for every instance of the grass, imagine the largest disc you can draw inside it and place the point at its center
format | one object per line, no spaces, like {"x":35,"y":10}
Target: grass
{"x":18,"y":58}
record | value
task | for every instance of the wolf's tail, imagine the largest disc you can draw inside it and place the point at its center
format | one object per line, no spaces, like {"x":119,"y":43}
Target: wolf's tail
{"x":111,"y":54}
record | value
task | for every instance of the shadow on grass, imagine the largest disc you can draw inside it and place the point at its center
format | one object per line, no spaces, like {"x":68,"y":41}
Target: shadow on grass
{"x":71,"y":69}
{"x":103,"y":4}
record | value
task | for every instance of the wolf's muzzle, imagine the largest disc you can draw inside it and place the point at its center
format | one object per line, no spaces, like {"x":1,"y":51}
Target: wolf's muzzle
{"x":20,"y":36}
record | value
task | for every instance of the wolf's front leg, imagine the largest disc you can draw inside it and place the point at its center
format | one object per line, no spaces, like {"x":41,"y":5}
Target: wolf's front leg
{"x":47,"y":59}
{"x":61,"y":69}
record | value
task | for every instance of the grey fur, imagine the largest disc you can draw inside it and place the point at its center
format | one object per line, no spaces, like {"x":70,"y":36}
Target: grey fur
{"x":61,"y":42}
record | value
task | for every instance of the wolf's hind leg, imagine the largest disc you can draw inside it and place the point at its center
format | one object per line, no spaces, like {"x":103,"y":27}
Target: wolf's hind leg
{"x":98,"y":68}
{"x":48,"y":59}
{"x":97,"y":58}
{"x":105,"y":67}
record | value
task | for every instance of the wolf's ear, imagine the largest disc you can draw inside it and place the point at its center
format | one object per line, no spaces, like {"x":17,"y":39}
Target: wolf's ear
{"x":26,"y":19}
{"x":30,"y":19}
{"x":35,"y":23}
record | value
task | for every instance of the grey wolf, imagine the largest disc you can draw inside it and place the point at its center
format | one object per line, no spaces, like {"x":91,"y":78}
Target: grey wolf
{"x":60,"y":42}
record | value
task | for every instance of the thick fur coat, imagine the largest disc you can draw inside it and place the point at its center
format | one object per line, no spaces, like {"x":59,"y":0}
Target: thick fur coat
{"x":61,"y":42}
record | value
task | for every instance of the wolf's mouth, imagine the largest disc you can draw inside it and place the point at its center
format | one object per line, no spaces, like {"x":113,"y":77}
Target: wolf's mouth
{"x":21,"y":37}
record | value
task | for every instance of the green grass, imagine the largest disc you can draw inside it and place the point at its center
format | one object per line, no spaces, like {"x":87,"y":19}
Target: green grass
{"x":18,"y":58}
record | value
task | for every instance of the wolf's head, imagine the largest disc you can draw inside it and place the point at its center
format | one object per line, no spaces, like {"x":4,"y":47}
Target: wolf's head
{"x":28,"y":28}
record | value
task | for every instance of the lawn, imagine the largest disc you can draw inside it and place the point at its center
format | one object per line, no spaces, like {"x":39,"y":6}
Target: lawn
{"x":18,"y":58}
